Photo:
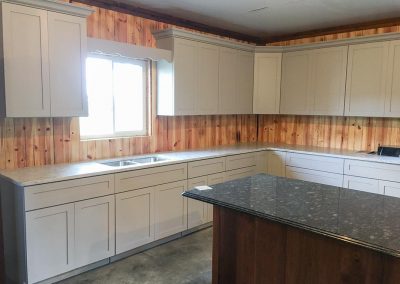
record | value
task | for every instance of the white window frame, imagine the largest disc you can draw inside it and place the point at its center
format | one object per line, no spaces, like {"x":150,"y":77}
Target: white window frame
{"x":145,"y":63}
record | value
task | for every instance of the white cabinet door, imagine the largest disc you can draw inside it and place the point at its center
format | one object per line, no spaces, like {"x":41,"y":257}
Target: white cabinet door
{"x":367,"y":79}
{"x":296,"y":75}
{"x":212,"y":180}
{"x":314,"y":176}
{"x":276,"y":163}
{"x":328,"y":82}
{"x":267,"y":83}
{"x":50,"y":242}
{"x":362,"y":184}
{"x":185,"y":76}
{"x":207,"y":95}
{"x":134,"y":219}
{"x":26,"y":61}
{"x":392,"y":102}
{"x":67,"y":52}
{"x":197,"y":210}
{"x":389,"y":188}
{"x":94,"y":230}
{"x":170,"y":209}
{"x":244,"y":82}
{"x":228,"y":103}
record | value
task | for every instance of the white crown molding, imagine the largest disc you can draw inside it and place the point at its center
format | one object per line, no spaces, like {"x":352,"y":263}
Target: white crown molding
{"x":54,"y":6}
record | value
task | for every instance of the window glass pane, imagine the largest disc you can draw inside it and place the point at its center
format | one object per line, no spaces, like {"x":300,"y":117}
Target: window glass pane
{"x":128,"y":97}
{"x":100,"y":99}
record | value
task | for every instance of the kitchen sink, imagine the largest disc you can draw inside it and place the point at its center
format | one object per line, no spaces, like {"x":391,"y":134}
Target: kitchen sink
{"x":137,"y":161}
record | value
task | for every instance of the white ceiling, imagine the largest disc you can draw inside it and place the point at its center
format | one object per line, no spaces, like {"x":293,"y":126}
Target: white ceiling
{"x":280,"y":18}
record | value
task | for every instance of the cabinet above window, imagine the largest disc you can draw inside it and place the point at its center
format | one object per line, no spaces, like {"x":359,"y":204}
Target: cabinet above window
{"x":44,"y":51}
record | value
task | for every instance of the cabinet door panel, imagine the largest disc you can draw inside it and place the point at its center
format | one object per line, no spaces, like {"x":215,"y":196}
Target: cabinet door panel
{"x":227,"y":86}
{"x":25,"y":61}
{"x":50,"y":242}
{"x":134,"y":219}
{"x":389,"y":188}
{"x":207,"y":96}
{"x":240,"y":173}
{"x":197,"y":210}
{"x":244,"y":82}
{"x":296,"y":69}
{"x":212,"y":180}
{"x":329,"y":80}
{"x":186,"y":76}
{"x":366,"y":79}
{"x":392,"y":102}
{"x":67,"y":50}
{"x":170,"y":209}
{"x":362,"y":184}
{"x":267,"y":83}
{"x":276,"y":163}
{"x":94,"y":230}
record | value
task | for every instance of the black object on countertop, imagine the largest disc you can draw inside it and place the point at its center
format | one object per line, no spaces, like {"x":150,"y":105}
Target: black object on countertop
{"x":367,"y":219}
{"x":389,"y":151}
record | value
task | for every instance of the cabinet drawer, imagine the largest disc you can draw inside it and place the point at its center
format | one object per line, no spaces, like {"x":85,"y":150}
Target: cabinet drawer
{"x":206,"y":167}
{"x":240,"y":161}
{"x":240,"y":173}
{"x":362,"y":184}
{"x":314,"y":162}
{"x":149,"y":177}
{"x":372,"y":170}
{"x":389,"y":188}
{"x":216,"y":178}
{"x":51,"y":194}
{"x":314,"y":176}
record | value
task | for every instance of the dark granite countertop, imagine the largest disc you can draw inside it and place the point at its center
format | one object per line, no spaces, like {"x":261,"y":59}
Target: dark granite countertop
{"x":367,"y":219}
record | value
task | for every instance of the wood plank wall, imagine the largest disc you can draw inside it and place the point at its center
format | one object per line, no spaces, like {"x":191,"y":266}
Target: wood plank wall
{"x":38,"y":141}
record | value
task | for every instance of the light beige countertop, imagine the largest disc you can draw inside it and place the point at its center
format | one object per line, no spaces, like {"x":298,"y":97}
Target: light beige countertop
{"x":53,"y":173}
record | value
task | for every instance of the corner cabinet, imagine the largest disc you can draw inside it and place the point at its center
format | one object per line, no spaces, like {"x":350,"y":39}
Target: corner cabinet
{"x":205,"y":76}
{"x":44,"y":51}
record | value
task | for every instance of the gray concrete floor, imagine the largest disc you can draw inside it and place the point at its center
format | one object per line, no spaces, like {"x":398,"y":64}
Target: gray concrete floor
{"x":185,"y":260}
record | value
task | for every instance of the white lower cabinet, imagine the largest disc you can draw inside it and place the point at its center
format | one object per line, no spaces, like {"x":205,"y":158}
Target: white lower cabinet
{"x":50,"y":242}
{"x":213,"y":180}
{"x":276,"y":163}
{"x":94,"y":230}
{"x":390,"y":188}
{"x":314,"y":176}
{"x":134,"y":219}
{"x":362,"y":184}
{"x":240,"y":173}
{"x":170,"y":209}
{"x":197,"y":210}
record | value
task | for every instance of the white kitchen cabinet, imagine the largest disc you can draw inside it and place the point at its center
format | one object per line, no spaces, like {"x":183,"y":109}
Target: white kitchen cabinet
{"x":206,"y":167}
{"x":213,"y":180}
{"x":67,"y":54}
{"x":197,"y":210}
{"x":94,"y":230}
{"x":314,"y":176}
{"x":328,"y":80}
{"x":50,"y":242}
{"x":392,"y":101}
{"x":276,"y":163}
{"x":389,"y":188}
{"x":244,"y":82}
{"x":241,"y":161}
{"x":382,"y":171}
{"x":367,"y":79}
{"x":315,"y":162}
{"x":170,"y":209}
{"x":262,"y":162}
{"x":267,"y":83}
{"x":240,"y":173}
{"x":296,"y":83}
{"x":44,"y":57}
{"x":362,"y":184}
{"x":227,"y":81}
{"x":134,"y":218}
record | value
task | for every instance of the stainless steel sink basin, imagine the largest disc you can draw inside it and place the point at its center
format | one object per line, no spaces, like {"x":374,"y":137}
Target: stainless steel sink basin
{"x":137,"y":161}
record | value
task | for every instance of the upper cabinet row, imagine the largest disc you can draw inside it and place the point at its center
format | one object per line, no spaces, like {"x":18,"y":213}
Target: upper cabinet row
{"x":354,"y":80}
{"x":44,"y":51}
{"x":204,"y":79}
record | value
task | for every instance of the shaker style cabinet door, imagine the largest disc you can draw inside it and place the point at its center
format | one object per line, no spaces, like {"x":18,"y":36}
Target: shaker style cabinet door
{"x":50,"y":242}
{"x":197,"y":210}
{"x":392,"y":102}
{"x":267,"y":83}
{"x":367,"y":79}
{"x":26,"y":61}
{"x":94,"y":230}
{"x":276,"y":163}
{"x":244,"y":82}
{"x":67,"y":52}
{"x":228,"y":103}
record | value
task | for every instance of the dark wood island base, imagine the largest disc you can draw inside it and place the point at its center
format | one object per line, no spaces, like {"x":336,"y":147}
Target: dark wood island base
{"x":249,"y":249}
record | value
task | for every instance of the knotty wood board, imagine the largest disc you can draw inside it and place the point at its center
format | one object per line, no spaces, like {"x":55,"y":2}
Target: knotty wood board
{"x":26,"y":142}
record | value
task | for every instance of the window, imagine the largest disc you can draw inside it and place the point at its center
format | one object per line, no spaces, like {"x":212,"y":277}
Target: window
{"x":117,"y":97}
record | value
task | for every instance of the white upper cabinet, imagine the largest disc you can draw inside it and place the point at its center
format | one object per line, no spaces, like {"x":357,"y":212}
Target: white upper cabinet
{"x":44,"y":55}
{"x":296,"y":77}
{"x":328,"y":80}
{"x":205,"y":77}
{"x":367,"y":79}
{"x":267,"y":83}
{"x":392,"y":102}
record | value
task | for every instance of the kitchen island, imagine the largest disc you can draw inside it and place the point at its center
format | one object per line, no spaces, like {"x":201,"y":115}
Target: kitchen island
{"x":276,"y":230}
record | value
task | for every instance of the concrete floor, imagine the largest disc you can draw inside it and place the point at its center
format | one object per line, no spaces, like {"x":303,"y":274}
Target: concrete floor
{"x":186,"y":260}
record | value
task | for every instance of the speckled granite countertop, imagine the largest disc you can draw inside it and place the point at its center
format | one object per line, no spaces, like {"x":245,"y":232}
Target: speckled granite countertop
{"x":362,"y":218}
{"x":54,"y":173}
